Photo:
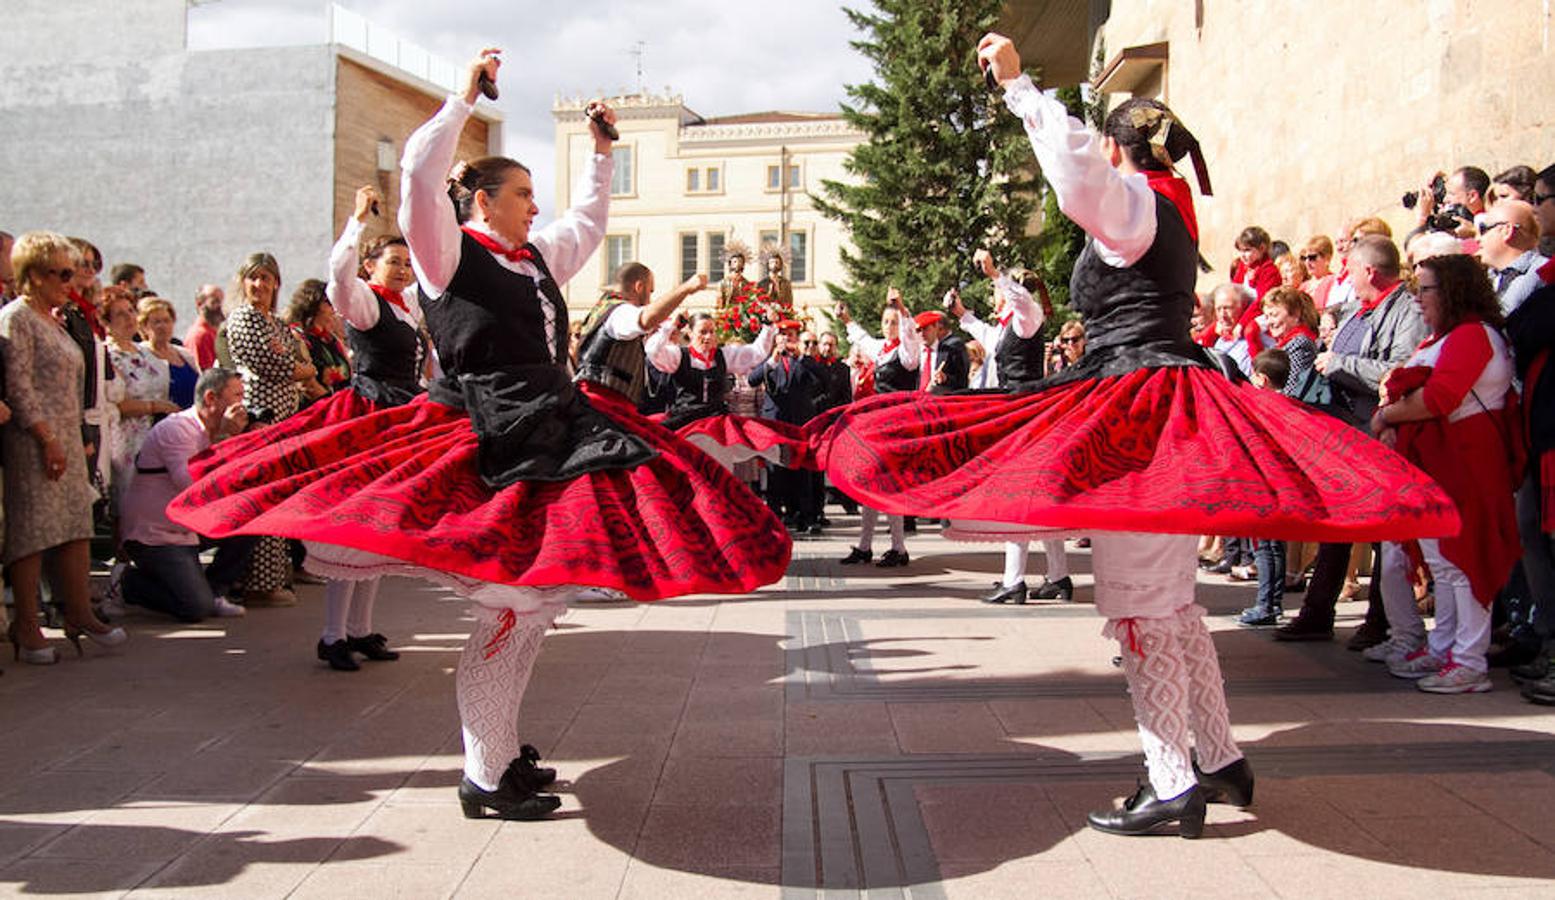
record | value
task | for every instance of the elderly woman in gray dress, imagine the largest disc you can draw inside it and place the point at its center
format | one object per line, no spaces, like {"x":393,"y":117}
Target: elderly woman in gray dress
{"x":48,"y":497}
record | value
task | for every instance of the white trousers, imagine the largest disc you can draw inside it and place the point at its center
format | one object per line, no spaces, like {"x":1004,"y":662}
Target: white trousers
{"x":1462,"y":632}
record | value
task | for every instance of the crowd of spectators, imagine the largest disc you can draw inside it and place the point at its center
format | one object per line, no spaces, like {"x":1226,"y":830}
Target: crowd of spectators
{"x":1433,"y":342}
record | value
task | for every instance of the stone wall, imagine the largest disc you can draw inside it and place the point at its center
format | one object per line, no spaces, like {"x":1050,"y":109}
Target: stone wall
{"x":1312,"y":113}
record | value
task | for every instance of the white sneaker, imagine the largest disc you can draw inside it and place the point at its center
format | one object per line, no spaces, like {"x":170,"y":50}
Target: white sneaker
{"x":1455,"y":679}
{"x":1391,"y":650}
{"x":1416,"y":665}
{"x":226,"y":609}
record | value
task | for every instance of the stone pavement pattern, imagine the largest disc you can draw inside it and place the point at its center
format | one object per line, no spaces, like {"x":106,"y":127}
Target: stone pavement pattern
{"x":847,"y":729}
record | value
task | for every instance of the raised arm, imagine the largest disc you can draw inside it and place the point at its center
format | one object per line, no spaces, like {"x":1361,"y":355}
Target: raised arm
{"x":663,"y":354}
{"x":1028,"y":317}
{"x":1117,"y":210}
{"x":568,"y":242}
{"x":426,"y":216}
{"x":349,"y":294}
{"x":742,"y":358}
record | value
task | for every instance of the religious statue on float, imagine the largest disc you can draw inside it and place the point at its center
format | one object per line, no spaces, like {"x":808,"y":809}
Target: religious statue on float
{"x":735,"y":255}
{"x":776,"y":283}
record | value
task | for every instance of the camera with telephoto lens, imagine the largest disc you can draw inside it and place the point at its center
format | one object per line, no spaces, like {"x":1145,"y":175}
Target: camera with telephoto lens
{"x":1438,"y":191}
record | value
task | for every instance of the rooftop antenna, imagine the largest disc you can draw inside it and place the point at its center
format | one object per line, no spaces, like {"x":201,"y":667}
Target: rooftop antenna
{"x":637,"y":53}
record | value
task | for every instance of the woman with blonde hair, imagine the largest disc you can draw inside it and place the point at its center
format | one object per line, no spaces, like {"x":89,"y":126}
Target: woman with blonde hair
{"x":156,"y":318}
{"x":48,"y":495}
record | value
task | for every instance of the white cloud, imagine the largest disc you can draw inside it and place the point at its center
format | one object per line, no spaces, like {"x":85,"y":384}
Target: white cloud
{"x":723,"y":58}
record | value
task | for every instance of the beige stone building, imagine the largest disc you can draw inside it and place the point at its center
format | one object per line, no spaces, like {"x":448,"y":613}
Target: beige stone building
{"x":1311,"y":113}
{"x":686,"y":185}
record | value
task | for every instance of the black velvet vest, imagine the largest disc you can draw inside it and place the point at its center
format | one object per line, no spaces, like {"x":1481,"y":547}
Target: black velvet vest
{"x":891,"y":376}
{"x":1019,"y":360}
{"x":1138,"y":316}
{"x":386,"y":358}
{"x":618,"y":365}
{"x":532,"y":423}
{"x":699,"y":393}
{"x":491,"y":317}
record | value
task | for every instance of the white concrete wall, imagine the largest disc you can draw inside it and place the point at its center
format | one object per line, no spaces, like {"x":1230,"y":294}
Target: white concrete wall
{"x":181,"y":162}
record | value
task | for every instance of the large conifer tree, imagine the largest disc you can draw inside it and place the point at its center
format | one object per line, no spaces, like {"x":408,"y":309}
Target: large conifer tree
{"x":945,"y":168}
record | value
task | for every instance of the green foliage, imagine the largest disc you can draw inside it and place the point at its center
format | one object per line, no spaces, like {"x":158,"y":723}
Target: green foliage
{"x":945,"y":168}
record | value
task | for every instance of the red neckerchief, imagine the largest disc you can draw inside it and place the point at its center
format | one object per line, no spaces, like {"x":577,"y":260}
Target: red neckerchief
{"x":1547,"y":272}
{"x":890,"y":345}
{"x":697,"y":354}
{"x":1383,"y":294}
{"x":828,"y":359}
{"x":393,"y":298}
{"x":1294,"y":333}
{"x":1168,"y":185}
{"x":522,"y":254}
{"x":90,"y":312}
{"x":1007,"y":315}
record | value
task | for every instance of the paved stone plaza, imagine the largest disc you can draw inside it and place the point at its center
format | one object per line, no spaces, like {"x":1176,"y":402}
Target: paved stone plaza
{"x":843,"y":731}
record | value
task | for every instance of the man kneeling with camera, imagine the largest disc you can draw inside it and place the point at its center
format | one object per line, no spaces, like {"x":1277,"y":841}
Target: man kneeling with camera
{"x":166,"y":574}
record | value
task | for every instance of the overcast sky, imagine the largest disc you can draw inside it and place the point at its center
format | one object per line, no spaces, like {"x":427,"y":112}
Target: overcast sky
{"x":723,"y":58}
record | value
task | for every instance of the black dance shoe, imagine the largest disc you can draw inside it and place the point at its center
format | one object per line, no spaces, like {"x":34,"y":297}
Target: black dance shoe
{"x":526,"y":774}
{"x":1143,"y":813}
{"x":1015,"y":594}
{"x":338,"y":655}
{"x":374,"y":646}
{"x":508,"y":801}
{"x":1232,"y":784}
{"x":1304,"y":628}
{"x":893,"y":559}
{"x":856,"y":556}
{"x":1062,"y":589}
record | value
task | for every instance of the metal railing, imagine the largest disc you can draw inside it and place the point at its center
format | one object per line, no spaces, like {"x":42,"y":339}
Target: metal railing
{"x":355,"y":31}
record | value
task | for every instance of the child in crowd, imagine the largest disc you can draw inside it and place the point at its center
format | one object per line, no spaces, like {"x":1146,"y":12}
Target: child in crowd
{"x":1271,"y":370}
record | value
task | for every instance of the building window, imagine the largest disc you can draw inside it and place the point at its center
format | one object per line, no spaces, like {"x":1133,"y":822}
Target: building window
{"x":774,"y":178}
{"x":799,"y":267}
{"x":715,"y":252}
{"x":688,"y":255}
{"x":622,"y":183}
{"x":703,"y":181}
{"x":618,"y":252}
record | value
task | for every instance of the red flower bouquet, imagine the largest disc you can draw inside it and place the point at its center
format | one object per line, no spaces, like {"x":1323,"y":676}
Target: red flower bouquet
{"x":743,"y":317}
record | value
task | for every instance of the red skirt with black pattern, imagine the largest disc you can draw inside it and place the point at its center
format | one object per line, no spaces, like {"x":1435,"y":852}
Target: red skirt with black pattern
{"x":734,"y":439}
{"x":1176,"y":449}
{"x":401,"y":483}
{"x":341,"y":406}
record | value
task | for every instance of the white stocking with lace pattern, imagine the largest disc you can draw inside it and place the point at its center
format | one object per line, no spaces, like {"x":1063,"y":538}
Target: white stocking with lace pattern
{"x":1211,"y":720}
{"x":493,"y":672}
{"x":1158,"y":683}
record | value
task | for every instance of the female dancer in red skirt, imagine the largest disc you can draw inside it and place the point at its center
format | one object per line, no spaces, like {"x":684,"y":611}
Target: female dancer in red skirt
{"x":1142,"y":444}
{"x":503,"y":482}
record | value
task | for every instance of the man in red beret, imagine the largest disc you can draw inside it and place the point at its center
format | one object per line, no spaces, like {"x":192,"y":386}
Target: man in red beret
{"x":946,"y":366}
